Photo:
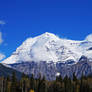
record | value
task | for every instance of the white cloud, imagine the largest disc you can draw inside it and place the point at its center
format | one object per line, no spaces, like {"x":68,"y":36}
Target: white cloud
{"x":2,"y":56}
{"x":89,"y":38}
{"x":2,"y":22}
{"x":1,"y":40}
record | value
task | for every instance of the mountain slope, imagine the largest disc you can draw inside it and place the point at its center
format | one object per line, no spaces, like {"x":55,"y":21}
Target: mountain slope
{"x":50,"y":56}
{"x":51,"y":70}
{"x":6,"y":71}
{"x":49,"y":47}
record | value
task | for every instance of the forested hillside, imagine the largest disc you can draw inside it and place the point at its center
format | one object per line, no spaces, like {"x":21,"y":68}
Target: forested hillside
{"x":26,"y":84}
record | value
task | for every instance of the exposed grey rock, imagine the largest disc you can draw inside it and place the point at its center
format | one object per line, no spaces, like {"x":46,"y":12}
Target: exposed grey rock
{"x":49,"y":70}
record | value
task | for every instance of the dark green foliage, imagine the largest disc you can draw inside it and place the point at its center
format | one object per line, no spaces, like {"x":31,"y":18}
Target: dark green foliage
{"x":13,"y":82}
{"x":26,"y":84}
{"x":74,"y":77}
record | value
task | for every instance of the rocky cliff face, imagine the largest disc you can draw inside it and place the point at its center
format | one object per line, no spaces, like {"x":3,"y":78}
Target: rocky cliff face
{"x":51,"y":69}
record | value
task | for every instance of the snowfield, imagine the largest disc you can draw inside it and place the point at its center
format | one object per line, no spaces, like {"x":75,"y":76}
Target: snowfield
{"x":49,"y":47}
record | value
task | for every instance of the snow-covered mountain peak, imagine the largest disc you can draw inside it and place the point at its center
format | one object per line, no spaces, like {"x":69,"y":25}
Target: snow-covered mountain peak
{"x":47,"y":34}
{"x":40,"y":40}
{"x":49,"y":47}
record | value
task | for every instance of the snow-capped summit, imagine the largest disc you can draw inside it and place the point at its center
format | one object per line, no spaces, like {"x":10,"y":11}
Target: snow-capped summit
{"x":47,"y":34}
{"x":49,"y":47}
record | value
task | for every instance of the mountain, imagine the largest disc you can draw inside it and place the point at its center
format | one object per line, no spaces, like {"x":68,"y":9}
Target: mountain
{"x":49,"y":47}
{"x":6,"y":71}
{"x":50,"y":56}
{"x":51,"y":70}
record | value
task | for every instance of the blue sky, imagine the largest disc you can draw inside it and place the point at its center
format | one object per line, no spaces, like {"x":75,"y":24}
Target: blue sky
{"x":29,"y":18}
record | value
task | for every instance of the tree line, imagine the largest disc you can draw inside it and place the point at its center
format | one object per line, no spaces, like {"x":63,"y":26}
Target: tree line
{"x":30,"y":84}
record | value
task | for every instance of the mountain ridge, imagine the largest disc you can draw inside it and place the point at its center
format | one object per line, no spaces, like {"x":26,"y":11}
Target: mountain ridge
{"x":49,"y":47}
{"x":51,"y":56}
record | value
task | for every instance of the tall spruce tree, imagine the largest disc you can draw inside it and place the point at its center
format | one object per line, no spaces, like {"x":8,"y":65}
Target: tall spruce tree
{"x":13,"y":82}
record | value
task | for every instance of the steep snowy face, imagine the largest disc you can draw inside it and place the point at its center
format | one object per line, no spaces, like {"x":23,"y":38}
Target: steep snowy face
{"x":49,"y":47}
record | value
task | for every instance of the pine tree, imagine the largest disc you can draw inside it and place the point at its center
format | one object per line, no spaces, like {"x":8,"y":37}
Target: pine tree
{"x":8,"y":84}
{"x":43,"y":85}
{"x":74,"y":77}
{"x":32,"y":82}
{"x":13,"y":82}
{"x":24,"y":83}
{"x":2,"y":84}
{"x":59,"y":78}
{"x":66,"y":84}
